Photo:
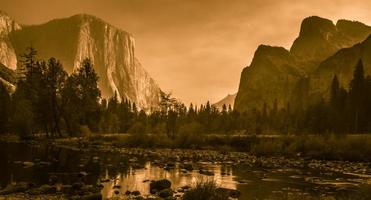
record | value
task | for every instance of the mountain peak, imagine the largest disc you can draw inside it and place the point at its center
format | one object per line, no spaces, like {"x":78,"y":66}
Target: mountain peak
{"x":86,"y":17}
{"x":4,"y":14}
{"x":7,"y":24}
{"x":227,"y":101}
{"x":353,"y":29}
{"x":275,"y":72}
{"x":264,"y":52}
{"x":320,"y":38}
{"x":315,"y":25}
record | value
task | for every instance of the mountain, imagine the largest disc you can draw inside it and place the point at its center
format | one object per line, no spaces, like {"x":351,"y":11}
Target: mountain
{"x":271,"y":75}
{"x":7,"y":77}
{"x":342,"y":65}
{"x":73,"y":39}
{"x":228,"y":101}
{"x":319,"y":38}
{"x":277,"y":74}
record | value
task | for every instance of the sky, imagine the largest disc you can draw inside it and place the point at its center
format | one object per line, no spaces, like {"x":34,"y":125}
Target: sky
{"x":196,"y":49}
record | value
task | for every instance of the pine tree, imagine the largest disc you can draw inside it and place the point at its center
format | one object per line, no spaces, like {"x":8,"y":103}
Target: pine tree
{"x":5,"y":105}
{"x":81,"y":98}
{"x":55,"y":78}
{"x":335,"y":88}
{"x":356,"y":92}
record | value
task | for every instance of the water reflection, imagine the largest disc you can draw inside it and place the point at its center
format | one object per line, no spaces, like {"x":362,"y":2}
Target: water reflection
{"x":138,"y":179}
{"x":117,"y":172}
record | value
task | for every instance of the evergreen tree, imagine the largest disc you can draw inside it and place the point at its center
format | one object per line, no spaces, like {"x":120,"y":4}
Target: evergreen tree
{"x":335,"y":88}
{"x":81,"y":98}
{"x":334,"y":103}
{"x":5,"y":105}
{"x":356,"y":92}
{"x":55,"y":78}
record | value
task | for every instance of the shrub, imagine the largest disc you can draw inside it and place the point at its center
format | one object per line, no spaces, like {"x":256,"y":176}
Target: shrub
{"x":137,"y":128}
{"x":207,"y":190}
{"x":22,"y":119}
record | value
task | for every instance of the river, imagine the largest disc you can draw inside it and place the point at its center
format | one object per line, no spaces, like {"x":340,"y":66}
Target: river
{"x":123,"y":172}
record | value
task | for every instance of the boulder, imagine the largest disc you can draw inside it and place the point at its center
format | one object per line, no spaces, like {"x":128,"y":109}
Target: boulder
{"x":19,"y":187}
{"x":53,"y":179}
{"x":159,"y":185}
{"x":27,"y":164}
{"x":165,"y":193}
{"x":66,"y":189}
{"x":188,"y":166}
{"x":77,"y":186}
{"x":82,"y":174}
{"x":44,"y":189}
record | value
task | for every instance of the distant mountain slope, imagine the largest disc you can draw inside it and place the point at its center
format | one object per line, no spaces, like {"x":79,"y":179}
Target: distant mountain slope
{"x":75,"y":38}
{"x":276,"y":73}
{"x":228,"y":100}
{"x":342,"y":64}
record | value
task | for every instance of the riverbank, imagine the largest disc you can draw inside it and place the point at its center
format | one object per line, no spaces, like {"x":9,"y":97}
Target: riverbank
{"x":332,"y":147}
{"x":101,"y":160}
{"x":352,"y":148}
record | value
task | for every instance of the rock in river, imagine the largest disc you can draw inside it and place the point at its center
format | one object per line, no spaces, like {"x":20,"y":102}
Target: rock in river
{"x":19,"y":187}
{"x":44,"y":189}
{"x":165,"y":193}
{"x":159,"y":185}
{"x":230,"y":192}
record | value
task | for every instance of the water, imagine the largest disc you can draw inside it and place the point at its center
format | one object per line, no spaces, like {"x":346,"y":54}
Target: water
{"x":118,"y":170}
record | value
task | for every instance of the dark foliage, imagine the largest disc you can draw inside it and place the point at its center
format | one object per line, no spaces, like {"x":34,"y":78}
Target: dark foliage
{"x":51,"y":102}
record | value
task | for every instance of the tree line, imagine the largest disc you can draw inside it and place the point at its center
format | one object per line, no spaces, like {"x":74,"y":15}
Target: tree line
{"x":342,"y":110}
{"x":48,"y":101}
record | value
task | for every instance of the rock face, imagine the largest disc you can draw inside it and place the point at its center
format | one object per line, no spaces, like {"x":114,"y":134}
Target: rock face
{"x":342,"y":63}
{"x":83,"y":36}
{"x":276,"y":74}
{"x":8,"y":78}
{"x":319,"y":38}
{"x":7,"y":53}
{"x":271,"y":75}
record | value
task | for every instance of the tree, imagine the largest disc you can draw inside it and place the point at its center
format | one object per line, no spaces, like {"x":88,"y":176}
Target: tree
{"x":334,"y":103}
{"x":30,"y":86}
{"x":55,"y":78}
{"x":356,"y":92}
{"x":335,"y":88}
{"x":28,"y":60}
{"x":22,"y":118}
{"x":81,"y":98}
{"x":5,"y":104}
{"x":170,"y":108}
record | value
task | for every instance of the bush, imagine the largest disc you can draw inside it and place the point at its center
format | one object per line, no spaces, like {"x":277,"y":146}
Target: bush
{"x":207,"y":190}
{"x":22,"y":119}
{"x":137,"y":128}
{"x":85,"y":131}
{"x":189,"y":136}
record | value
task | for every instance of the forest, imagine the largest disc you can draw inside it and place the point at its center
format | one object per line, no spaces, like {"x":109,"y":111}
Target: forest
{"x":48,"y":101}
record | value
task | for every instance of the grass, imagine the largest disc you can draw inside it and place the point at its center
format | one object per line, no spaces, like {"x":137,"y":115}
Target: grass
{"x":331,"y":147}
{"x":205,"y":190}
{"x":351,"y":148}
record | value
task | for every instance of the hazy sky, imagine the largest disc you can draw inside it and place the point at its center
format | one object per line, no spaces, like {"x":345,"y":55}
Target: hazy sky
{"x":196,"y":48}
